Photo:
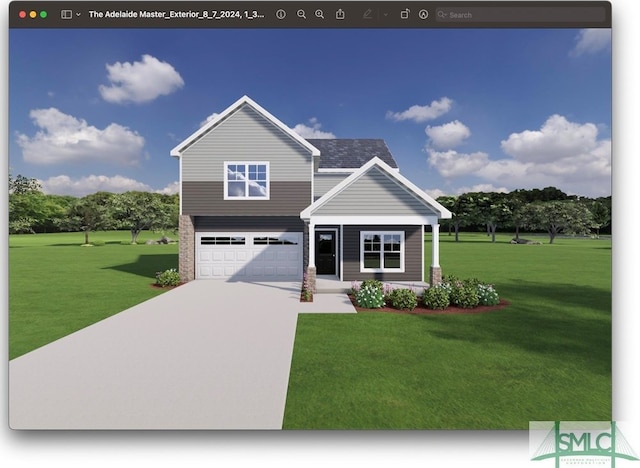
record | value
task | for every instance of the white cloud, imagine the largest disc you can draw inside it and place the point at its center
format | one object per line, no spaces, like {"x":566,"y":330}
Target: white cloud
{"x":453,"y":164}
{"x":63,"y":138}
{"x":435,"y":193}
{"x":423,"y":113}
{"x":487,"y":188}
{"x":557,"y":139}
{"x":140,"y":81}
{"x":564,"y":154}
{"x":209,"y":119}
{"x":591,"y":41}
{"x":312,"y":131}
{"x":65,"y":185}
{"x":448,"y":135}
{"x":173,"y":187}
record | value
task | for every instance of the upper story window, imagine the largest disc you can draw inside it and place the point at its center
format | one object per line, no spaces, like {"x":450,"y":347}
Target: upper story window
{"x":246,"y":180}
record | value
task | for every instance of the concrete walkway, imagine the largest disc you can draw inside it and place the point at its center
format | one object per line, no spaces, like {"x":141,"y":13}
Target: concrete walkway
{"x":206,"y":355}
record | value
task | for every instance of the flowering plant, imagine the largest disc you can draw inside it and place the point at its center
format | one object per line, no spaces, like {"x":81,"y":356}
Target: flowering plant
{"x":169,"y":277}
{"x":370,"y":297}
{"x":487,"y":295}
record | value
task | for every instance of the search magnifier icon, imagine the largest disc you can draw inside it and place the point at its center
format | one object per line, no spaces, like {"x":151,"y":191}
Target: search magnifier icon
{"x":301,"y":14}
{"x":319,"y":14}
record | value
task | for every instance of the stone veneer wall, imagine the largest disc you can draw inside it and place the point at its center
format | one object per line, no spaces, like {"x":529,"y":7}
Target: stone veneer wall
{"x":435,"y":276}
{"x":186,"y":256}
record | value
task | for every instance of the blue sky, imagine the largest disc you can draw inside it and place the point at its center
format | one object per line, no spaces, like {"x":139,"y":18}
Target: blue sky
{"x":460,"y":109}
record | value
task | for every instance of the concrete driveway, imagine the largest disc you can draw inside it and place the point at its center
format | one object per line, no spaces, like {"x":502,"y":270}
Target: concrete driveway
{"x":206,"y":355}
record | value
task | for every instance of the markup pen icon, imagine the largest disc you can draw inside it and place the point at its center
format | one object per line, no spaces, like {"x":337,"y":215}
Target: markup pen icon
{"x":583,"y":441}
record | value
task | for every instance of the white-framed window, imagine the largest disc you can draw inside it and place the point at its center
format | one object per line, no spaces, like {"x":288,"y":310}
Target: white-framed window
{"x":246,"y":180}
{"x":382,"y":251}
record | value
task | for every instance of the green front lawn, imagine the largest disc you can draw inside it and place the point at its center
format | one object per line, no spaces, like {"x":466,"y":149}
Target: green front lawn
{"x":545,"y":357}
{"x":57,"y":287}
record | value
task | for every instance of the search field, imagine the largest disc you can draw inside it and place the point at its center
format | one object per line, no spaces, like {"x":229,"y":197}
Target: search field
{"x":534,"y":14}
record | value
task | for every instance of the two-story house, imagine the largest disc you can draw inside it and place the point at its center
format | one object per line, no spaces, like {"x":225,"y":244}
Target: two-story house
{"x":259,"y":202}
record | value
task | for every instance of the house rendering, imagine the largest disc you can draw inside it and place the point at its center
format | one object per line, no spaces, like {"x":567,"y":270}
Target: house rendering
{"x":259,"y":202}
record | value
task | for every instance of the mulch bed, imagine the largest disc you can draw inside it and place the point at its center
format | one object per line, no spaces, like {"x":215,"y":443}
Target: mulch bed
{"x":422,"y":310}
{"x":166,"y":288}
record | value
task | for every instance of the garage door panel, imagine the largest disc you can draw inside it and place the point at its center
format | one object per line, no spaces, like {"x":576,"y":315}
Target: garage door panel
{"x":249,"y":255}
{"x":216,"y":257}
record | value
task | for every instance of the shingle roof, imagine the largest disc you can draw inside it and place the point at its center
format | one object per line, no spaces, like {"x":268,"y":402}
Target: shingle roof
{"x":351,"y":153}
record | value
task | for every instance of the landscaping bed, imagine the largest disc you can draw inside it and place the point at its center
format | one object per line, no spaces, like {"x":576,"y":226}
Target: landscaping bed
{"x":421,"y":309}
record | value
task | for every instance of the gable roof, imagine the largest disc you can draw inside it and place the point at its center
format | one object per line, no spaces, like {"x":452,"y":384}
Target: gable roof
{"x":390,"y":172}
{"x":244,"y":100}
{"x":351,"y":153}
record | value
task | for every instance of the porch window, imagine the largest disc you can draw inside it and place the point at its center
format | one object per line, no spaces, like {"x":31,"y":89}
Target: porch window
{"x":382,"y":251}
{"x":246,"y":180}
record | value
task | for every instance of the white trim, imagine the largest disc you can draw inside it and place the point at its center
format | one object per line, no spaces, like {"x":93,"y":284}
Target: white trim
{"x":422,"y":251}
{"x":247,"y":196}
{"x":178,"y":150}
{"x":375,"y":220}
{"x":441,"y":211}
{"x":335,"y":238}
{"x":334,"y":170}
{"x":180,"y":185}
{"x":341,"y":272}
{"x":435,"y":246}
{"x":312,"y":245}
{"x":382,"y":269}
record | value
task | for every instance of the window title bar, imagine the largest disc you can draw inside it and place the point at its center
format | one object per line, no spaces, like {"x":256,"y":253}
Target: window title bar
{"x":291,"y":14}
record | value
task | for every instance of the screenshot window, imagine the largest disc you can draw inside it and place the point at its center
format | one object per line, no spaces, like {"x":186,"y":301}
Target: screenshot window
{"x":309,"y":215}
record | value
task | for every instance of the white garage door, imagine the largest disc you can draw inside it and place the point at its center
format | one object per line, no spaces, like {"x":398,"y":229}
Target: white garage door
{"x":249,"y":255}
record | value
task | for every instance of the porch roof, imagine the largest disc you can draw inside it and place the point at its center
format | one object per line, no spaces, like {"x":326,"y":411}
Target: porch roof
{"x":376,"y":193}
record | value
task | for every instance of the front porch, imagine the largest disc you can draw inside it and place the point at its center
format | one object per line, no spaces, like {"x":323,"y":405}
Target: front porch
{"x":326,"y":284}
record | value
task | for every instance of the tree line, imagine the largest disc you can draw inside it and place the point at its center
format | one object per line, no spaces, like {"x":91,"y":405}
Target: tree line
{"x":538,"y":210}
{"x":32,"y":211}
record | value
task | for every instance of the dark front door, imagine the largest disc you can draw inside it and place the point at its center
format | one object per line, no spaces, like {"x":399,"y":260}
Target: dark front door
{"x":325,"y":252}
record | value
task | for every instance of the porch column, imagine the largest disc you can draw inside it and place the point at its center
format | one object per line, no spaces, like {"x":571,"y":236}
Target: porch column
{"x":435,"y":273}
{"x":312,"y":245}
{"x":435,"y":245}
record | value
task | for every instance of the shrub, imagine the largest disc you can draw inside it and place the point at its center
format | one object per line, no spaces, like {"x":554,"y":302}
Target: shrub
{"x":369,"y":297}
{"x":463,"y":295}
{"x":169,"y":277}
{"x":403,"y":299}
{"x":487,"y":295}
{"x":355,"y":287}
{"x":373,"y":283}
{"x":387,"y":290}
{"x":97,"y":243}
{"x":436,"y":297}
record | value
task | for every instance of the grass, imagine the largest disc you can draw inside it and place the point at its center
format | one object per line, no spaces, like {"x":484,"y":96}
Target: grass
{"x":57,"y":287}
{"x":545,"y":357}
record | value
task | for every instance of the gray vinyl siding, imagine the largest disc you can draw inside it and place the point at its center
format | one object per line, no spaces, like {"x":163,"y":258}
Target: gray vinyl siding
{"x":413,"y":262}
{"x":322,"y":183}
{"x":374,"y":194}
{"x":248,"y":224}
{"x":207,"y":198}
{"x":245,"y":136}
